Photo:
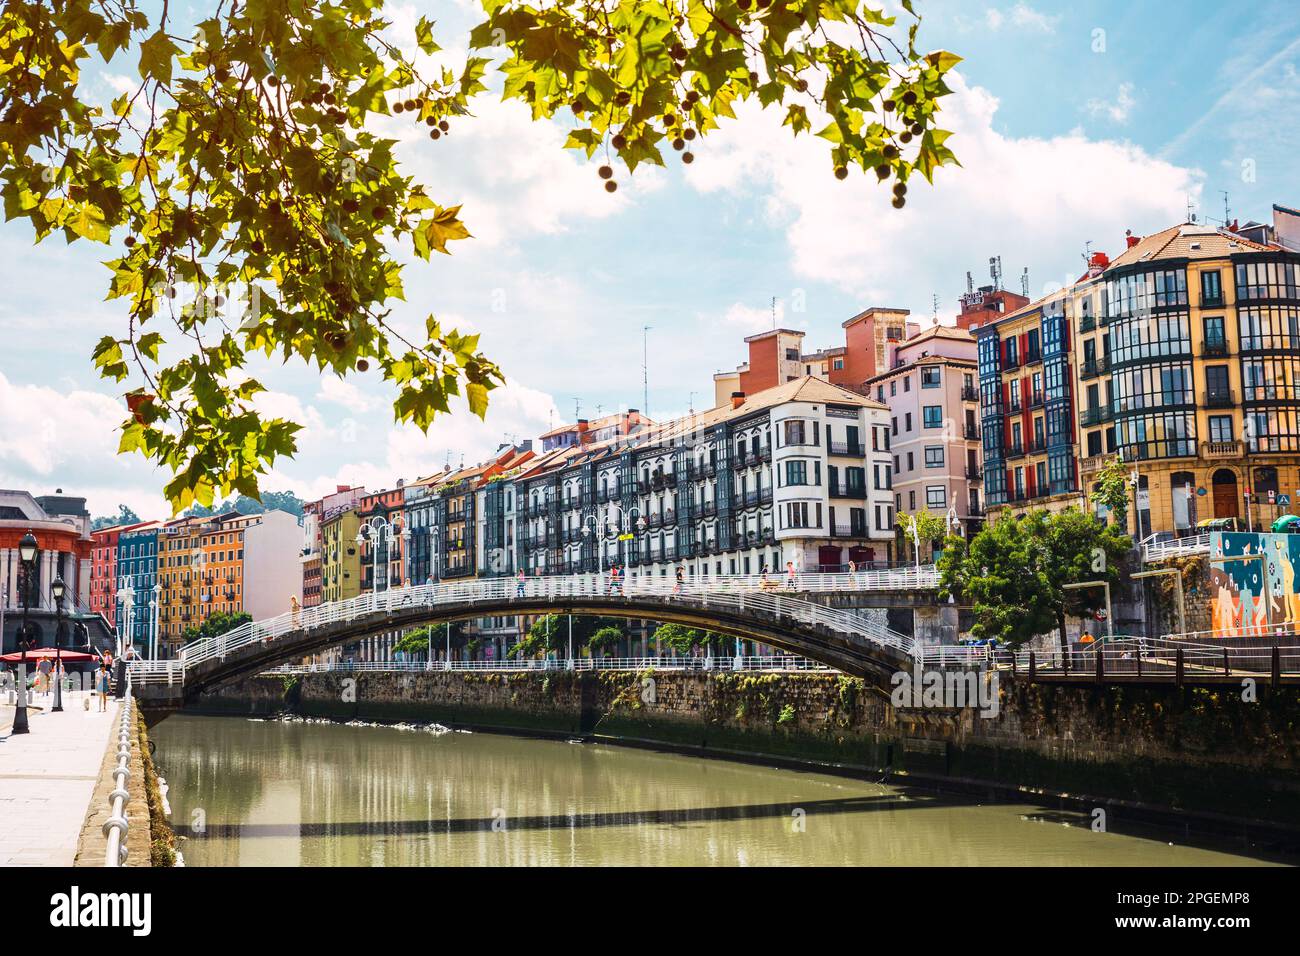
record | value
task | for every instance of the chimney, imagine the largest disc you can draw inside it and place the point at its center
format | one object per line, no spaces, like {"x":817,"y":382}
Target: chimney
{"x":1130,"y":239}
{"x":737,"y":399}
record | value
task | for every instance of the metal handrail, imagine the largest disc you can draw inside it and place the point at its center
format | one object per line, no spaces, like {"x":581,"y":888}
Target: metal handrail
{"x":774,"y":595}
{"x":722,"y":662}
{"x":116,"y":826}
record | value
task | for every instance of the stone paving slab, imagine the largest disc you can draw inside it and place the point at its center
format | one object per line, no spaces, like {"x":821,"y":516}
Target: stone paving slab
{"x":47,"y":777}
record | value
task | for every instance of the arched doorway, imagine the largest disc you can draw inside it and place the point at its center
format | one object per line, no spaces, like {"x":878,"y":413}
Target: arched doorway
{"x":1226,"y":499}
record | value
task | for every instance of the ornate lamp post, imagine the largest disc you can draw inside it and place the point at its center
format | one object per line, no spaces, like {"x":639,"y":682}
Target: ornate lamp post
{"x":57,"y":589}
{"x":27,"y":556}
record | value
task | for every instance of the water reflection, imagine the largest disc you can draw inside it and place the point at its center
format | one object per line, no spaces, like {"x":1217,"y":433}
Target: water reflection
{"x":267,"y":793}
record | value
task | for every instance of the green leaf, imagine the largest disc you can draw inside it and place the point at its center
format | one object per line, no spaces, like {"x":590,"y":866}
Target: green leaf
{"x":156,"y":57}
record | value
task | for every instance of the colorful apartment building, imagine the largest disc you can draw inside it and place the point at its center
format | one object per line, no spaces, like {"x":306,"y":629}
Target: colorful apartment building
{"x":61,"y":526}
{"x":1189,"y":370}
{"x":934,"y":431}
{"x":103,"y":571}
{"x":776,"y":357}
{"x":340,"y":557}
{"x":382,"y":543}
{"x":225,"y":564}
{"x":312,"y":511}
{"x":138,"y":585}
{"x":800,"y":473}
{"x":1180,"y":357}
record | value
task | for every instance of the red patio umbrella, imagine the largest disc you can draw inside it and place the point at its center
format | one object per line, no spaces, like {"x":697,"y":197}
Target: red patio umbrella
{"x":73,"y":657}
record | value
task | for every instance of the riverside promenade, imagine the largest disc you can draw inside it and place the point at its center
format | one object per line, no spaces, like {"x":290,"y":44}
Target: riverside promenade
{"x":48,"y":777}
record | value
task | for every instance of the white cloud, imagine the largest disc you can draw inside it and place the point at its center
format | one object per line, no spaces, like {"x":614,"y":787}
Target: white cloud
{"x":515,"y":413}
{"x":68,"y":439}
{"x":1117,"y":110}
{"x":1034,"y":201}
{"x":1023,"y":16}
{"x":341,"y":392}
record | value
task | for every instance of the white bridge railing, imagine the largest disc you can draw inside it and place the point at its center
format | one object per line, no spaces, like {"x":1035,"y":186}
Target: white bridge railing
{"x":765,"y":663}
{"x":1163,"y":550}
{"x":771,"y":595}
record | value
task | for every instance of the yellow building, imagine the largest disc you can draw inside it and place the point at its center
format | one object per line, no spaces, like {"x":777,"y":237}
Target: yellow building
{"x":200,"y":571}
{"x":1188,"y":367}
{"x":340,"y":561}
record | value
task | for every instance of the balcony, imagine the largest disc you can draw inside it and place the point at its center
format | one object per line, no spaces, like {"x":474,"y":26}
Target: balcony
{"x":848,"y":530}
{"x":974,"y":474}
{"x":1087,"y":323}
{"x":1214,"y":348}
{"x":969,"y":393}
{"x":1095,"y":366}
{"x":851,"y":449}
{"x":1222,"y":449}
{"x":1219,"y":398}
{"x":1095,"y":415}
{"x":1033,"y":358}
{"x":1014,"y":451}
{"x":972,"y":432}
{"x":858,"y":492}
{"x":1036,"y":400}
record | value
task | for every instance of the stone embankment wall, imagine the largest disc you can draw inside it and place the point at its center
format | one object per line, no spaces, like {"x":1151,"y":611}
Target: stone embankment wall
{"x":1189,"y":749}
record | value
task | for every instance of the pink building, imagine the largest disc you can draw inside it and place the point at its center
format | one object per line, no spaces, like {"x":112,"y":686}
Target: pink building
{"x":933,"y":401}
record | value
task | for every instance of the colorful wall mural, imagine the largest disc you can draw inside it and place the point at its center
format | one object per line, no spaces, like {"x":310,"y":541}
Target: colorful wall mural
{"x":1253,"y":596}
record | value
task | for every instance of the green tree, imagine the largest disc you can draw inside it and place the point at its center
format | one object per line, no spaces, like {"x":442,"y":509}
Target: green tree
{"x":542,"y":638}
{"x":929,"y":526}
{"x":684,"y":640}
{"x":605,"y":640}
{"x":251,"y":211}
{"x":216,"y":625}
{"x":414,"y":641}
{"x":124,"y":516}
{"x":1112,"y":491}
{"x":1013,"y":572}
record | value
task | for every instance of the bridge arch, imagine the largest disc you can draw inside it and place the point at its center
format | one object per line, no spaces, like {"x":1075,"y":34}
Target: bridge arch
{"x":755,"y":610}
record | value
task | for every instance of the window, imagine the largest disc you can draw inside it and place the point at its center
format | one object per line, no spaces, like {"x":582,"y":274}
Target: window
{"x":936,"y":496}
{"x":907,"y":421}
{"x":794,"y":432}
{"x":893,"y":388}
{"x":907,"y":384}
{"x":933,"y":416}
{"x":911,"y":501}
{"x":792,"y":355}
{"x":1211,"y":288}
{"x":837,"y":363}
{"x":911,"y":461}
{"x":930,"y":377}
{"x":893,"y":424}
{"x":796,"y":473}
{"x":934,"y":456}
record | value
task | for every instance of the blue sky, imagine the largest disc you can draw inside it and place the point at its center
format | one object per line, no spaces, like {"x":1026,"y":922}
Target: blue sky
{"x":1073,"y":123}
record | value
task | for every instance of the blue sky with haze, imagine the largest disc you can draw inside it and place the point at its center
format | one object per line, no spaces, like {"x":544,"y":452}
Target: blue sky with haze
{"x":1072,"y":122}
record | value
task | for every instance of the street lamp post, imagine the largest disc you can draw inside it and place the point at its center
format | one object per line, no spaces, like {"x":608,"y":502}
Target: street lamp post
{"x":154,"y":608}
{"x":592,"y":524}
{"x":27,"y":557}
{"x":57,"y":590}
{"x":124,"y":636}
{"x":375,"y":529}
{"x":1110,"y":620}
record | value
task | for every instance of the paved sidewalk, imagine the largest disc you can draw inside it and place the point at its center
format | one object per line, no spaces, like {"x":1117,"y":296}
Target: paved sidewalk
{"x":47,"y":778}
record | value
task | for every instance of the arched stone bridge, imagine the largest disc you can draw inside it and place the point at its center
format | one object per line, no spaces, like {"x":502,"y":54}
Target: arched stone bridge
{"x":769,"y":611}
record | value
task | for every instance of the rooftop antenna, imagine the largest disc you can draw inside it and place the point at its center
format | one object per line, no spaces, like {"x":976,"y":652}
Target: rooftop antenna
{"x":970,"y":283}
{"x":995,"y":271}
{"x":935,"y":298}
{"x":774,"y":312}
{"x":1227,"y":213}
{"x":599,"y":408}
{"x":577,"y":408}
{"x":645,"y":369}
{"x":692,"y":403}
{"x":1024,"y":282}
{"x":1191,"y":209}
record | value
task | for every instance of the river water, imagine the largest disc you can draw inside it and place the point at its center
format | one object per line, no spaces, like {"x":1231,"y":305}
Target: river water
{"x":319,"y":794}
